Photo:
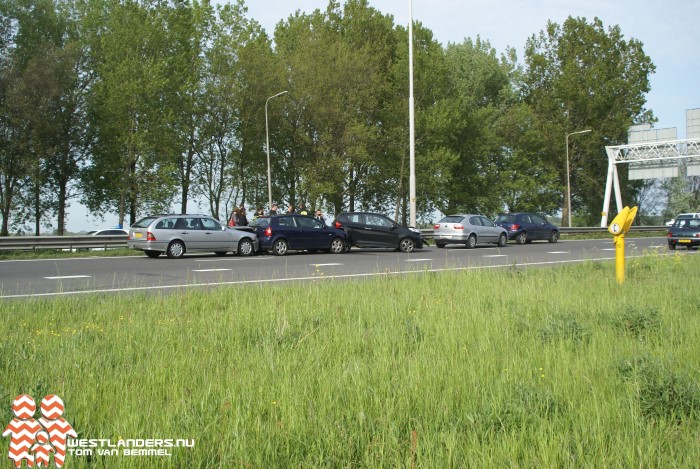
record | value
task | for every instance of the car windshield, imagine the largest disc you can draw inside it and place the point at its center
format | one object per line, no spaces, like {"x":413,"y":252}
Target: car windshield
{"x":505,"y":219}
{"x":143,"y":223}
{"x":451,"y":219}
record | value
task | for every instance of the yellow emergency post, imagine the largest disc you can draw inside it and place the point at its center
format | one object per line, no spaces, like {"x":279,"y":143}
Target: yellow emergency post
{"x":619,"y":227}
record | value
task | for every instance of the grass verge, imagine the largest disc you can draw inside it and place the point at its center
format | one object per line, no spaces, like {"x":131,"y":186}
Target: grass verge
{"x":516,"y":368}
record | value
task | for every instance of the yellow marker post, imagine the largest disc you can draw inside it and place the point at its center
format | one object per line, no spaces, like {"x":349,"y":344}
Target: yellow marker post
{"x":619,"y":227}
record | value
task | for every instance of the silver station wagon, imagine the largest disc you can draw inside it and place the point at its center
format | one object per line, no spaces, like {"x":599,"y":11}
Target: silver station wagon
{"x":177,"y":234}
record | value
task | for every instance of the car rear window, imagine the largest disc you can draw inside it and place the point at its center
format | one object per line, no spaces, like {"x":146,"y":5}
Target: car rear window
{"x":505,"y":219}
{"x":144,"y":222}
{"x":451,"y":219}
{"x":260,"y":222}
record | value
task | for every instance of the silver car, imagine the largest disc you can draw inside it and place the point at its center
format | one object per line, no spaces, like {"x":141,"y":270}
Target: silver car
{"x":469,"y":230}
{"x":177,"y":234}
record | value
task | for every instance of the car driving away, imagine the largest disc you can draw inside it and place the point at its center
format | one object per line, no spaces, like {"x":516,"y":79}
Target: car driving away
{"x":685,"y":231}
{"x":177,"y":234}
{"x":374,"y":230}
{"x":528,"y":227}
{"x":280,"y":234}
{"x":469,"y":230}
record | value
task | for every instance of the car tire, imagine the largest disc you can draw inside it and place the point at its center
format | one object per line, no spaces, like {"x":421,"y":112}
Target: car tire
{"x":176,"y":250}
{"x":440,"y":245}
{"x":152,"y":254}
{"x":471,"y":241}
{"x":672,"y":246}
{"x":220,"y":253}
{"x":502,"y":240}
{"x":521,"y":238}
{"x":337,"y":246}
{"x":407,"y":245}
{"x":553,"y":236}
{"x":245,"y":247}
{"x":280,"y":248}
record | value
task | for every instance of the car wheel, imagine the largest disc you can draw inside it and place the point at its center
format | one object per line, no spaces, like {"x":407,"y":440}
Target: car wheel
{"x":220,"y":253}
{"x":553,"y":237}
{"x":502,"y":240}
{"x":406,"y":245}
{"x":521,"y":238}
{"x":245,"y":247}
{"x":280,"y":247}
{"x":176,"y":250}
{"x":672,"y":246}
{"x":471,"y":242}
{"x":337,"y":246}
{"x":152,"y":254}
{"x":440,"y":245}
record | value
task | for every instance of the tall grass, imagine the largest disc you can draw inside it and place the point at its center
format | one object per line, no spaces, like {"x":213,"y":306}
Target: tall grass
{"x":513,"y":368}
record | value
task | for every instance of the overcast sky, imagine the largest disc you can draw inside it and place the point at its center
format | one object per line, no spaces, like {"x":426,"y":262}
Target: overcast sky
{"x":669,"y":30}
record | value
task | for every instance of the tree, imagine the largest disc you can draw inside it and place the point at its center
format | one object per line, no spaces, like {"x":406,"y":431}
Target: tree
{"x":583,"y":76}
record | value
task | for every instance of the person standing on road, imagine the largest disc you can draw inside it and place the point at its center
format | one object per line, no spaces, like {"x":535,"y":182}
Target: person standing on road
{"x":319,"y":217}
{"x":302,"y":209}
{"x":234,"y":217}
{"x":273,"y":210}
{"x":290,"y":209}
{"x":242,"y":219}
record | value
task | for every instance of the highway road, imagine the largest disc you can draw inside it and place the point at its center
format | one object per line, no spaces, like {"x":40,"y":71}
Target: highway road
{"x":36,"y":278}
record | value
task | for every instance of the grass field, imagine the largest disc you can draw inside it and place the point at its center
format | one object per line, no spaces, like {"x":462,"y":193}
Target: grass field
{"x":512,"y":368}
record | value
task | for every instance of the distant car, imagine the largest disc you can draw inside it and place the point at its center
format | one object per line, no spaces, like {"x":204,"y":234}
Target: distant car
{"x":177,"y":234}
{"x":280,"y":234}
{"x":469,"y":230}
{"x":528,"y":227}
{"x":685,"y":231}
{"x":109,"y":232}
{"x":374,"y":230}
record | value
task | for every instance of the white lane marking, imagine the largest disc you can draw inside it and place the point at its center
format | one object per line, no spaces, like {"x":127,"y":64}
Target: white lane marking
{"x":299,"y":279}
{"x":62,"y":277}
{"x":211,"y":270}
{"x":497,"y":255}
{"x":323,"y":265}
{"x":418,"y":260}
{"x":237,"y":258}
{"x":608,"y":249}
{"x":558,"y":252}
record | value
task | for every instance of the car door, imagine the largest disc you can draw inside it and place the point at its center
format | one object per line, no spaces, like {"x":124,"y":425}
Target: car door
{"x":353,"y":224}
{"x":493,"y":231}
{"x":288,"y":229}
{"x":541,"y":227}
{"x":215,"y":236}
{"x":380,"y":231}
{"x":314,"y":234}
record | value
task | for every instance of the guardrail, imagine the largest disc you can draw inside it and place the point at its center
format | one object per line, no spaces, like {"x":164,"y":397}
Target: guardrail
{"x":428,"y":233}
{"x":34,"y":243}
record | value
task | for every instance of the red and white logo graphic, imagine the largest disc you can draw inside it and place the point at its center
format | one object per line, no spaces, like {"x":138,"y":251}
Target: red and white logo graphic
{"x":33,"y":440}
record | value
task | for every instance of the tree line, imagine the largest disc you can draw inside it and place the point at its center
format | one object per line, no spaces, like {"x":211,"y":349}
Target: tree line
{"x":131,"y":107}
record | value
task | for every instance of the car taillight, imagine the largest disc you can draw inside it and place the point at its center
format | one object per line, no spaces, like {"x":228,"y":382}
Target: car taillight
{"x":669,"y":234}
{"x":436,"y":227}
{"x":150,"y":237}
{"x":338,"y":225}
{"x":268,"y":231}
{"x":458,"y":226}
{"x":514,"y":227}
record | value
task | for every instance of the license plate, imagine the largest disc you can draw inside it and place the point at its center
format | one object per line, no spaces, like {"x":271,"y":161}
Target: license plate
{"x":683,"y":240}
{"x":138,"y":235}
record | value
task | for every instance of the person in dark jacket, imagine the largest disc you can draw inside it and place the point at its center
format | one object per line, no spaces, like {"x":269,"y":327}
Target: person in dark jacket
{"x":242,"y":219}
{"x":319,"y":217}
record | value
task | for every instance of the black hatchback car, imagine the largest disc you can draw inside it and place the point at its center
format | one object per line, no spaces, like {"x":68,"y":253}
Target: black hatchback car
{"x":528,"y":227}
{"x":373,"y":230}
{"x":292,"y":232}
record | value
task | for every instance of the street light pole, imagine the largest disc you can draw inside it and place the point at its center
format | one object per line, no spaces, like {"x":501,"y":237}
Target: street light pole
{"x":412,"y":121}
{"x":267,"y":147}
{"x":568,"y":180}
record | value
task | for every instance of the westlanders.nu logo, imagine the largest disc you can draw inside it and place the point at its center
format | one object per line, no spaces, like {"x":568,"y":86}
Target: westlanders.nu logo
{"x":35,"y":441}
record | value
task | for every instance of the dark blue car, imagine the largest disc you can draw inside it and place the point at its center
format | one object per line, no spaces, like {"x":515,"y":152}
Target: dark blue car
{"x":528,"y":227}
{"x":292,"y":232}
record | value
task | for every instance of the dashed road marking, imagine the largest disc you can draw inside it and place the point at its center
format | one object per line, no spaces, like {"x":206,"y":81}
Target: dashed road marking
{"x":323,"y":265}
{"x":211,"y":270}
{"x":418,"y":260}
{"x":497,"y":255}
{"x":64,"y":277}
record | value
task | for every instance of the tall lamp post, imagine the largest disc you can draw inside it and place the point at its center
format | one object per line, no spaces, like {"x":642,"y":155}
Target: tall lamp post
{"x":411,"y":120}
{"x":568,"y":180}
{"x":267,"y":147}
